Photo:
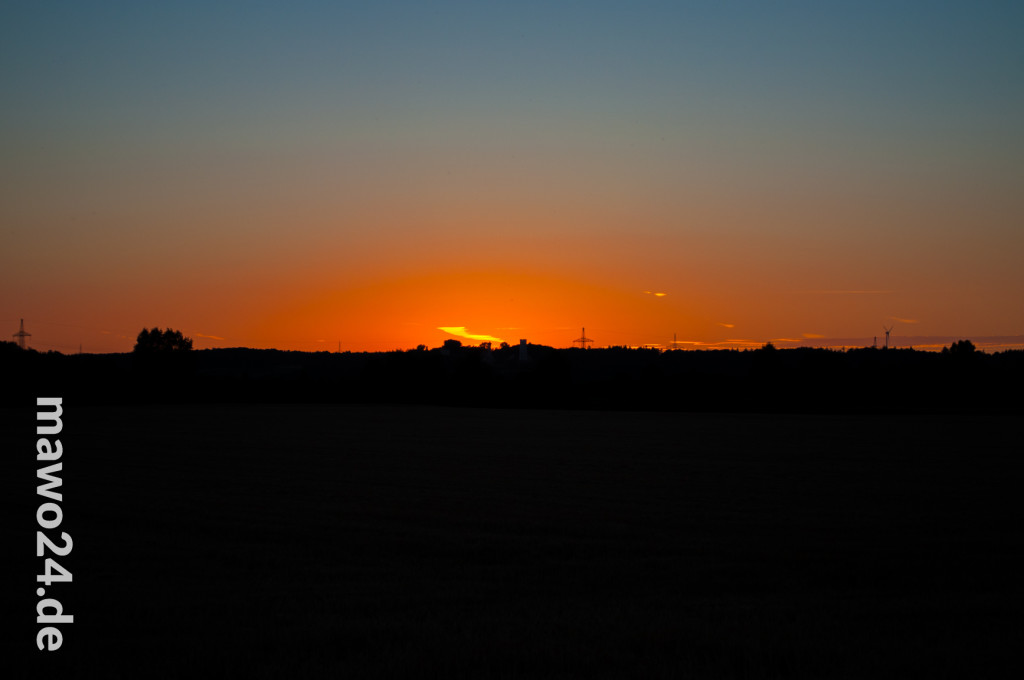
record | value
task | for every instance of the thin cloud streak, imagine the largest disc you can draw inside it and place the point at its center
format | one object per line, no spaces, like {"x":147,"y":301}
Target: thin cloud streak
{"x":846,"y":292}
{"x":461,"y":332}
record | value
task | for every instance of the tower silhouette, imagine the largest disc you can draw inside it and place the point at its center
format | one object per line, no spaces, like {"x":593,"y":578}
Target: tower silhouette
{"x":21,"y":335}
{"x":887,"y":331}
{"x":583,"y":339}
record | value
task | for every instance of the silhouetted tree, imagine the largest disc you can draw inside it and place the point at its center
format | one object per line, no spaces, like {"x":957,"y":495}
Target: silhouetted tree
{"x":960,"y":348}
{"x":155,"y":340}
{"x":164,"y":364}
{"x":9,"y":348}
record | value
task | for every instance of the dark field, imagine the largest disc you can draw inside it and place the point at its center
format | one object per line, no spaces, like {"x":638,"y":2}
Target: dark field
{"x":354,"y":541}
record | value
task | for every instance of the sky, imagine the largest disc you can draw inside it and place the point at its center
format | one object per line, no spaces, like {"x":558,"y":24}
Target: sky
{"x":379,"y":175}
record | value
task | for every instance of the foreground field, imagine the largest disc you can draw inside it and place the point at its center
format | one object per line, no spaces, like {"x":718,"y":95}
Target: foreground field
{"x":263,"y":541}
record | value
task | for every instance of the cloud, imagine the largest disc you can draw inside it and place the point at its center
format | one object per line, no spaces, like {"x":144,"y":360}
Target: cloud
{"x":210,"y":337}
{"x":896,"y":318}
{"x":647,"y":292}
{"x":461,"y":332}
{"x":847,"y":292}
{"x":927,"y":343}
{"x":727,"y":325}
{"x":730,"y":343}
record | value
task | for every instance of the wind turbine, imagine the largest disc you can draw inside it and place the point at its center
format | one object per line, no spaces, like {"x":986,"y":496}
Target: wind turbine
{"x":887,"y":331}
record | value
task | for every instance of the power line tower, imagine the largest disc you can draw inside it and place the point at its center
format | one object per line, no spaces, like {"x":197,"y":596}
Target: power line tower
{"x":583,"y":339}
{"x":887,"y":331}
{"x":21,"y":335}
{"x":675,"y":343}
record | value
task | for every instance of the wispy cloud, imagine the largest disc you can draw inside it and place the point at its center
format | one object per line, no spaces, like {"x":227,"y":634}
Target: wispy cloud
{"x":847,"y":292}
{"x":927,"y":343}
{"x":727,"y":325}
{"x":461,"y":332}
{"x":743,"y":342}
{"x":647,"y":292}
{"x":209,"y":337}
{"x":896,"y":318}
{"x":730,"y":343}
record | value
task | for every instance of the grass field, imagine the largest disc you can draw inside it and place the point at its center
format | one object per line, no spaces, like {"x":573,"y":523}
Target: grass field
{"x":265,"y":541}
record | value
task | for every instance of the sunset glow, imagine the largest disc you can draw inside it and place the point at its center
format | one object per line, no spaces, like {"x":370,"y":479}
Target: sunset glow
{"x":317,"y":177}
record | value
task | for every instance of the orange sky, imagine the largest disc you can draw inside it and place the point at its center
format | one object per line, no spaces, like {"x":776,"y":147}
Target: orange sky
{"x":300,"y":179}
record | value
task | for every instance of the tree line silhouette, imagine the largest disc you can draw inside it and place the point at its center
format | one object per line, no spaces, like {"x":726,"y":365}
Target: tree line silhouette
{"x":165,"y":367}
{"x":156,"y":341}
